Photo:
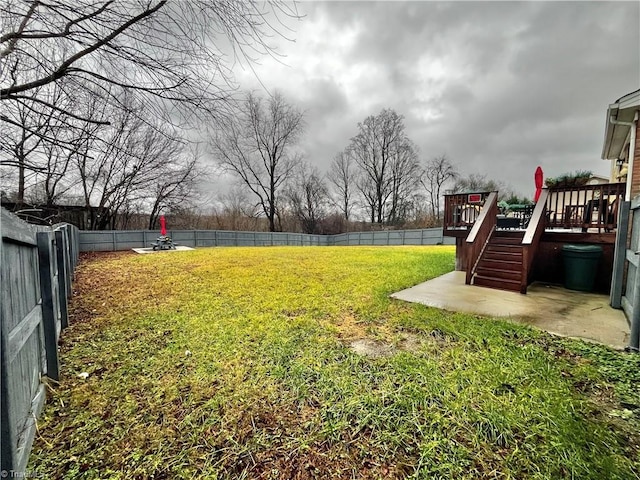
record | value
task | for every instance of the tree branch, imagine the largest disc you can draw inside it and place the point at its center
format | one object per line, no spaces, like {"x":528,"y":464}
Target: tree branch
{"x":64,"y":66}
{"x":13,"y":37}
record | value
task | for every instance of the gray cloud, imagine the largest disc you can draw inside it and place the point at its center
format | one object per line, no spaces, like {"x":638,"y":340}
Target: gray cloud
{"x":501,"y":87}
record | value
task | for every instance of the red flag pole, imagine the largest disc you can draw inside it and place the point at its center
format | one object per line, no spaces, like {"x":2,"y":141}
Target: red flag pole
{"x":539,"y":178}
{"x":163,"y":226}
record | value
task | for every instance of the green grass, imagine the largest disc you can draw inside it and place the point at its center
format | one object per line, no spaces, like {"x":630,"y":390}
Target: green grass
{"x":235,"y":363}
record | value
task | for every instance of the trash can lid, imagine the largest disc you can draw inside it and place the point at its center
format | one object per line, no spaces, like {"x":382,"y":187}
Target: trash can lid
{"x":582,"y":248}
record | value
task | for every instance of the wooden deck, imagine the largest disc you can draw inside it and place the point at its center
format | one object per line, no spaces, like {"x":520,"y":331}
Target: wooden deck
{"x":568,"y":215}
{"x":586,"y":208}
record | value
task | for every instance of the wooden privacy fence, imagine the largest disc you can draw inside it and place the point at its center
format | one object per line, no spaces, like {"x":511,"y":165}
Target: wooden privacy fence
{"x":37,"y":265}
{"x":114,"y":240}
{"x":625,"y":282}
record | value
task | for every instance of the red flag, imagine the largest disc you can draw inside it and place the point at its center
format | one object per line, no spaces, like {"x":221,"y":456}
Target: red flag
{"x":539,"y":176}
{"x":163,"y":226}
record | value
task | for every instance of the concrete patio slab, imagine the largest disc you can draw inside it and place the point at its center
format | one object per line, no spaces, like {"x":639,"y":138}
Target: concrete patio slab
{"x":548,"y":307}
{"x":179,"y":248}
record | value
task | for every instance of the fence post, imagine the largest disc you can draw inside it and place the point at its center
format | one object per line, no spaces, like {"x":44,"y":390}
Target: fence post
{"x":62,"y":277}
{"x":75,"y":244}
{"x":75,"y":247}
{"x":48,"y":313}
{"x":68,"y":259}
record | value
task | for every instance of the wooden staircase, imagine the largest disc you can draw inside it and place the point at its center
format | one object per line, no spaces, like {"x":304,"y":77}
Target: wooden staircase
{"x":503,"y":259}
{"x":501,"y":263}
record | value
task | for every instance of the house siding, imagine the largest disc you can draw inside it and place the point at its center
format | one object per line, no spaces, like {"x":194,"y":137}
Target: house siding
{"x":635,"y":178}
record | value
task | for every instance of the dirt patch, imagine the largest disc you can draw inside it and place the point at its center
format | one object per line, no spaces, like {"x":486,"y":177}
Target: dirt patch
{"x":91,"y":256}
{"x":349,"y":328}
{"x":410,"y":342}
{"x":406,"y":341}
{"x":371,"y":348}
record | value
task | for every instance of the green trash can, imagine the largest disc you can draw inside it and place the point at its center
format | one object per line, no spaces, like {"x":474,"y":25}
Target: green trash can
{"x":580,"y":266}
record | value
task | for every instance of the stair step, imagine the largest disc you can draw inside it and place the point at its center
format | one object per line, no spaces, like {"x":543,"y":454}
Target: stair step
{"x":500,"y":264}
{"x":492,"y":247}
{"x":504,"y":256}
{"x":508,"y":234}
{"x":505,"y":240}
{"x":500,"y":283}
{"x":498,"y":273}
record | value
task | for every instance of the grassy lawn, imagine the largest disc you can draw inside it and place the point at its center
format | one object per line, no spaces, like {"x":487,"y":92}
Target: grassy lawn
{"x":232,"y":363}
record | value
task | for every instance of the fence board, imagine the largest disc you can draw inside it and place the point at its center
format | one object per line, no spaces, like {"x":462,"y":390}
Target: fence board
{"x":63,"y":286}
{"x":36,"y":265}
{"x":48,"y":306}
{"x":22,"y":332}
{"x":632,"y":293}
{"x":625,"y":284}
{"x":112,"y":240}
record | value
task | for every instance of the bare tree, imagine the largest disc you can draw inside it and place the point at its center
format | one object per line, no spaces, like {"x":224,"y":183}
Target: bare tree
{"x":368,"y":194}
{"x":342,"y":176}
{"x":387,"y":163}
{"x":308,"y":196}
{"x":123,"y":166}
{"x":168,"y":51}
{"x":437,"y":173}
{"x":404,"y":181}
{"x":258,"y":149}
{"x":475,"y":182}
{"x":175,"y":187}
{"x":234,"y":210}
{"x":18,"y":144}
{"x":56,"y":181}
{"x":27,"y":129}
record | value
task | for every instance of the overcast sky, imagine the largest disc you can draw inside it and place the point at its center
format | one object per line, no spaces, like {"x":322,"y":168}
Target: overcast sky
{"x":499,"y":87}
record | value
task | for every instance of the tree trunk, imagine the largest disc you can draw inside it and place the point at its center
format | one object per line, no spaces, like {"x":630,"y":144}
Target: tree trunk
{"x":20,"y":198}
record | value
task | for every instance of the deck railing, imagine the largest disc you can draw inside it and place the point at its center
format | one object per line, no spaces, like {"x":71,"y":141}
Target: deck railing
{"x":586,"y":207}
{"x":531,"y":239}
{"x":461,"y":210}
{"x":480,"y":234}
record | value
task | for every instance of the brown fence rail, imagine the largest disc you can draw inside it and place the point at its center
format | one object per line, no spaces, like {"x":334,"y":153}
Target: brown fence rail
{"x":36,"y":267}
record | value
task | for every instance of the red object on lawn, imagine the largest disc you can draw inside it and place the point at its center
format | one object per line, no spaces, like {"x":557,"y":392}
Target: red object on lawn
{"x":163,"y":226}
{"x":539,"y":177}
